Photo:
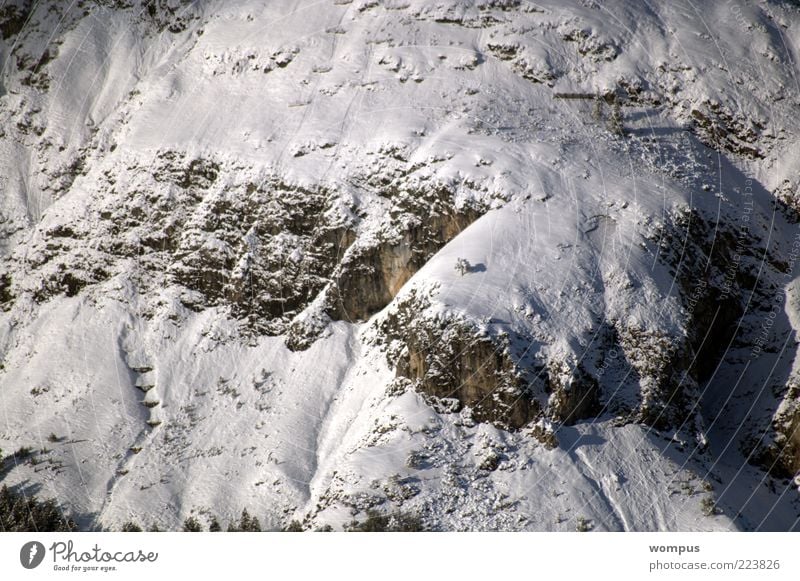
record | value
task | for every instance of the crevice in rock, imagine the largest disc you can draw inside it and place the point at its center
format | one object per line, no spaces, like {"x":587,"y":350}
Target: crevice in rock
{"x":372,"y":276}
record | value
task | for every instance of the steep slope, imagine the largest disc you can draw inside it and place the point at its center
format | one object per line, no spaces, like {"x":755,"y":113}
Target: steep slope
{"x":501,"y":264}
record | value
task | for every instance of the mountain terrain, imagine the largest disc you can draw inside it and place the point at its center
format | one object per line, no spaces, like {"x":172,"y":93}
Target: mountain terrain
{"x":497,"y":264}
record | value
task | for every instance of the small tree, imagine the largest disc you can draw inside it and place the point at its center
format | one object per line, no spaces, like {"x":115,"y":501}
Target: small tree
{"x":192,"y":525}
{"x":463,"y":266}
{"x":582,"y":525}
{"x":23,"y":452}
{"x":375,"y":523}
{"x":247,"y":524}
{"x":21,"y":512}
{"x":293,"y":527}
{"x":213,"y":526}
{"x":389,"y":523}
{"x":615,"y":121}
{"x":131,"y":527}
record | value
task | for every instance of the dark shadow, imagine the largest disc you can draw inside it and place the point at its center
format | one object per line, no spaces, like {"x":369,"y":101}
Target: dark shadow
{"x":480,"y":267}
{"x":654,"y":131}
{"x":639,"y":114}
{"x":570,"y":439}
{"x":27,"y":490}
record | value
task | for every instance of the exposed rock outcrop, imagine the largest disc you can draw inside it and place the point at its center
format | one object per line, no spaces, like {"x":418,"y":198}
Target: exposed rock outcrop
{"x":451,"y":362}
{"x":781,"y":456}
{"x":372,"y":276}
{"x":451,"y":359}
{"x":448,"y":360}
{"x":574,"y":392}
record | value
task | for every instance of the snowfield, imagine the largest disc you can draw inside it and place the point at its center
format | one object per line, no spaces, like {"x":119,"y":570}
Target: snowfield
{"x":229,"y":233}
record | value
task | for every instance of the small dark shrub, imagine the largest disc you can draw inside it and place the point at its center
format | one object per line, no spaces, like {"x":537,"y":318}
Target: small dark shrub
{"x":387,"y":523}
{"x":247,"y":524}
{"x":131,"y":527}
{"x":20,"y":512}
{"x":293,"y":527}
{"x":192,"y":525}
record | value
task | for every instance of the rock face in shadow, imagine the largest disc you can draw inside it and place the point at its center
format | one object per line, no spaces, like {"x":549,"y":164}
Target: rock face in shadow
{"x":473,"y":371}
{"x":700,"y":256}
{"x":372,"y":276}
{"x":780,"y":455}
{"x":574,"y":393}
{"x":452,"y":361}
{"x":790,"y":444}
{"x":788,"y":430}
{"x":659,"y":363}
{"x":455,"y":359}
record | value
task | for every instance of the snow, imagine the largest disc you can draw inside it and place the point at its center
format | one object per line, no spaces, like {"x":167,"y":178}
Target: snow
{"x":338,"y":96}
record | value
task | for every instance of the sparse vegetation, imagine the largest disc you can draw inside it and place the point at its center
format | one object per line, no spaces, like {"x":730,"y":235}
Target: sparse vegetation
{"x":5,"y":291}
{"x":23,"y":453}
{"x":387,"y":523}
{"x":22,"y":512}
{"x":131,"y":527}
{"x":192,"y":525}
{"x":294,"y":527}
{"x":247,"y":524}
{"x":463,"y":266}
{"x":615,"y":119}
{"x":709,"y":506}
{"x":416,"y":460}
{"x":583,"y":525}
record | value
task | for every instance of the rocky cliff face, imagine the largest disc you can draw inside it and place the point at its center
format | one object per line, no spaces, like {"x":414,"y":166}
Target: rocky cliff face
{"x":513,"y":381}
{"x":500,"y":265}
{"x":779,"y":452}
{"x":373,"y":275}
{"x":450,"y":361}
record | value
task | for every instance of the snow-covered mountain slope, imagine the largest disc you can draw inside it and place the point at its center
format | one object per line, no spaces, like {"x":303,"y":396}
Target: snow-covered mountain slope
{"x":500,"y":264}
